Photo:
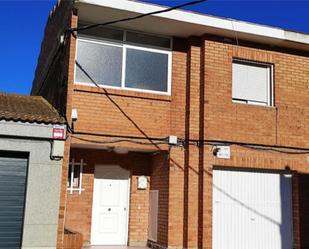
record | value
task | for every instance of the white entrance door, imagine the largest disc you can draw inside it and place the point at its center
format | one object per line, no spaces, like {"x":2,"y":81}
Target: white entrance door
{"x":252,"y":210}
{"x":110,"y":205}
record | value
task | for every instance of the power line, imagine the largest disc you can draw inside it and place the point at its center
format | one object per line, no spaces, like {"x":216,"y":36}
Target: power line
{"x":137,"y":17}
{"x":109,"y":23}
{"x":118,"y":141}
{"x":275,"y":150}
{"x":249,"y":146}
{"x":252,"y":147}
{"x":257,"y":147}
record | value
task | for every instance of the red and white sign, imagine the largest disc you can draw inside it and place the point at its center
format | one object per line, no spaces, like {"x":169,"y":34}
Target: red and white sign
{"x":58,"y":132}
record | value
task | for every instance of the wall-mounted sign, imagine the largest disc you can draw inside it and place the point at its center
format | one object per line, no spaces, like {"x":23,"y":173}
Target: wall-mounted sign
{"x":58,"y":132}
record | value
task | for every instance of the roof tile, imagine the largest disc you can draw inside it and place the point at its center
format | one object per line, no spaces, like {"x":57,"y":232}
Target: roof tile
{"x":26,"y":108}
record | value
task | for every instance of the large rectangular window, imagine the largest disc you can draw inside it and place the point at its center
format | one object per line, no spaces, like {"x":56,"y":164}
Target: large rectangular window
{"x":252,"y":83}
{"x":138,"y":62}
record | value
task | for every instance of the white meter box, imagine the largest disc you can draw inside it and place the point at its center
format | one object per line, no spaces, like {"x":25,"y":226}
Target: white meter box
{"x":224,"y":152}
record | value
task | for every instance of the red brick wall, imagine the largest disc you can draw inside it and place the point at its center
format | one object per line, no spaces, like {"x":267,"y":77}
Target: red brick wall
{"x":79,"y":207}
{"x":72,"y":240}
{"x":135,"y":114}
{"x":201,"y":107}
{"x":219,"y":118}
{"x":283,"y":124}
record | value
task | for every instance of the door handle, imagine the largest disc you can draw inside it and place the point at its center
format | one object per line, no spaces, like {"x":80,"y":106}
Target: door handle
{"x":109,"y":209}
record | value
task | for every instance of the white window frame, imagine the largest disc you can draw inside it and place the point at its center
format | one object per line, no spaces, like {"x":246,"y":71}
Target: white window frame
{"x":270,"y":102}
{"x":125,"y":45}
{"x":71,"y":187}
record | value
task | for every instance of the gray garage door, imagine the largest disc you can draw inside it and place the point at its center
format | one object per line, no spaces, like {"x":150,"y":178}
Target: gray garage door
{"x":13,"y":173}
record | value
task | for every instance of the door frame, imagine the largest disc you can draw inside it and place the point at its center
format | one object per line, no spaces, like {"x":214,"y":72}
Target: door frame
{"x":126,"y":233}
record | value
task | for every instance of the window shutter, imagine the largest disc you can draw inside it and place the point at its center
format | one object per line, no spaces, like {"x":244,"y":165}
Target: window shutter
{"x":251,"y":82}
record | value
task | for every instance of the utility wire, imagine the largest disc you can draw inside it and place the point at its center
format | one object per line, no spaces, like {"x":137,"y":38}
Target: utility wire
{"x":269,"y":148}
{"x":275,"y":150}
{"x":103,"y":24}
{"x":197,"y":143}
{"x":118,"y":141}
{"x":137,"y":17}
{"x":109,"y":23}
{"x":235,"y":32}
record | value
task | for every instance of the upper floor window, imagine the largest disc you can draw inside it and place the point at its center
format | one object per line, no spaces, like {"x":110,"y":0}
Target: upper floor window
{"x":124,"y":59}
{"x":252,"y":83}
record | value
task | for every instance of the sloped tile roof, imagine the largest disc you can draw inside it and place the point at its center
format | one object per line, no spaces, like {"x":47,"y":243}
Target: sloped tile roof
{"x":26,"y":108}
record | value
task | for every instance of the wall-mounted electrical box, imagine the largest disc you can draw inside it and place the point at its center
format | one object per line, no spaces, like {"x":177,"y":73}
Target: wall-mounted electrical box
{"x":57,"y":149}
{"x":173,"y":140}
{"x":142,"y":182}
{"x":223,"y":152}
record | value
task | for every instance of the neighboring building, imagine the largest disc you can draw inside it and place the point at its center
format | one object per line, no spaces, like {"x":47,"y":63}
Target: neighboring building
{"x":207,"y":80}
{"x":30,"y":172}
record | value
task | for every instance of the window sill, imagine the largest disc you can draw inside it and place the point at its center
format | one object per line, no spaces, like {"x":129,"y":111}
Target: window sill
{"x":121,"y":92}
{"x":252,"y":105}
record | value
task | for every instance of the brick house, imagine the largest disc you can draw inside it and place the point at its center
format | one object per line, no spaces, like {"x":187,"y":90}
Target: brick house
{"x":234,"y":94}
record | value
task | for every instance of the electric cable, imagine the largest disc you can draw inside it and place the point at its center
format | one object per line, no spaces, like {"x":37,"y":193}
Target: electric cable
{"x":119,"y":141}
{"x":275,"y":150}
{"x":269,"y":148}
{"x":182,"y":141}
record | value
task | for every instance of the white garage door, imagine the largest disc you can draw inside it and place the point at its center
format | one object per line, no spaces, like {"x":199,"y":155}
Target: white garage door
{"x":252,"y":210}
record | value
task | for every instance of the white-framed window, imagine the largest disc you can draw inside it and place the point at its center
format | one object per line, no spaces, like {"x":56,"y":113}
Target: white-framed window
{"x":75,"y":176}
{"x":252,"y":82}
{"x":124,"y":60}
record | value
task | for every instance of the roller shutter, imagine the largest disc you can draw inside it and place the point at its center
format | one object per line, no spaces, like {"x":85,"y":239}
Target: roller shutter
{"x":13,"y":174}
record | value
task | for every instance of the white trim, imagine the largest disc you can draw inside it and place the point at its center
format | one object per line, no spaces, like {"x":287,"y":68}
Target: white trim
{"x":196,"y":19}
{"x":71,"y":187}
{"x":124,"y":65}
{"x":272,"y":87}
{"x":72,"y":175}
{"x":124,"y":53}
{"x":155,"y":50}
{"x":96,"y":41}
{"x":81,"y":175}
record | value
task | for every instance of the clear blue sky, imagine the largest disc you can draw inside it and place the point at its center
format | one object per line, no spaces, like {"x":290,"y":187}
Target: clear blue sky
{"x":22,"y":26}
